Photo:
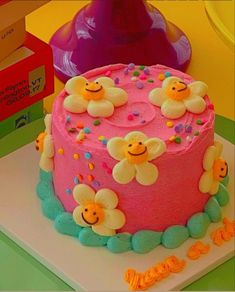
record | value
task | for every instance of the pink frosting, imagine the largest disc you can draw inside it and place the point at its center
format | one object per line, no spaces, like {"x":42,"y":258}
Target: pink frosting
{"x":175,"y":195}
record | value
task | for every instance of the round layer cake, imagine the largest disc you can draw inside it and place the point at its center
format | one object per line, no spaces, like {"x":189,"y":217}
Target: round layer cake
{"x":165,"y":192}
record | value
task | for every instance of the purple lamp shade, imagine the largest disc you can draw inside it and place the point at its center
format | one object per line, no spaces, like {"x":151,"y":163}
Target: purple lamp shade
{"x":118,"y":31}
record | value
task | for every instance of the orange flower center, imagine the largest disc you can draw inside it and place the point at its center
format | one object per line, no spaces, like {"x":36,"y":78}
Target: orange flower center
{"x":93,"y":91}
{"x":93,"y":214}
{"x":178,"y":90}
{"x":220,"y":169}
{"x":136,"y":153}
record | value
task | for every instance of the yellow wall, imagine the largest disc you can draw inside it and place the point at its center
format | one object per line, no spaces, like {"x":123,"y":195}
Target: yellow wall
{"x":212,"y":61}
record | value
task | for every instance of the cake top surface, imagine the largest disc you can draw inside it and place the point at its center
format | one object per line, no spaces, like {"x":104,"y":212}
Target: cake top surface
{"x":137,"y":114}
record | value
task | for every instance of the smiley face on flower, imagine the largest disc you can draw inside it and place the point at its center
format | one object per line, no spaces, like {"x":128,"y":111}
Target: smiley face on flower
{"x":176,"y":97}
{"x":134,"y":153}
{"x":215,"y":169}
{"x":97,"y":210}
{"x":98,"y":98}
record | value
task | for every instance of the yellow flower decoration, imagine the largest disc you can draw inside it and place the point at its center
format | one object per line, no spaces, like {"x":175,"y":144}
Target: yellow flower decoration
{"x":216,"y":169}
{"x":175,"y":97}
{"x":98,"y":98}
{"x":134,"y":153}
{"x":97,"y":210}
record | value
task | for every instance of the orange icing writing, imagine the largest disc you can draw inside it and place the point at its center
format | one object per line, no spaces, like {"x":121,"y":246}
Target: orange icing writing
{"x":224,"y":233}
{"x":197,"y":249}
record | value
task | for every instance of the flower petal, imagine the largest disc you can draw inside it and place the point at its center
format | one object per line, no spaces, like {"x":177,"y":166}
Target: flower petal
{"x":116,"y":148}
{"x":102,"y":230}
{"x":206,"y":181}
{"x":47,"y":121}
{"x":105,"y":81}
{"x":195,"y":104}
{"x":75,"y":104}
{"x":114,"y":219}
{"x":116,"y":95}
{"x":173,"y":109}
{"x":77,"y":216}
{"x":123,"y":172}
{"x":48,"y":146}
{"x":136,"y":136}
{"x":106,"y":198}
{"x":100,"y":108}
{"x":209,"y":158}
{"x":156,"y":147}
{"x":198,"y":88}
{"x":214,"y":188}
{"x":219,"y":149}
{"x":75,"y":84}
{"x":146,"y":173}
{"x":157,"y":96}
{"x":83,"y":194}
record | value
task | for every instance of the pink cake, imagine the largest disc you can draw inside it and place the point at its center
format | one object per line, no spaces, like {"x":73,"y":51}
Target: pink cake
{"x":146,"y":159}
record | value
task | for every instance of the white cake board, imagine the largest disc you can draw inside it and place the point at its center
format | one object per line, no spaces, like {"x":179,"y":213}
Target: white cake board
{"x":86,"y":268}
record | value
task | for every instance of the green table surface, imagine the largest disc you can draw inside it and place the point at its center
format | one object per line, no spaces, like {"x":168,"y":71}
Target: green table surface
{"x":20,"y":271}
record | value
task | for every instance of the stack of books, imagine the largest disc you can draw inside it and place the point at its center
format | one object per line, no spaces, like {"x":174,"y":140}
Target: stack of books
{"x":26,"y":76}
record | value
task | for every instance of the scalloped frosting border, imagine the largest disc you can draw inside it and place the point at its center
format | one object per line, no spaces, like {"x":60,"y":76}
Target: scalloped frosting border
{"x":140,"y":242}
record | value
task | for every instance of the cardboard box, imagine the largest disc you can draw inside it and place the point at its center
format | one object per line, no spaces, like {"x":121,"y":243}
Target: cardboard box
{"x":14,"y":10}
{"x":11,"y":38}
{"x":21,"y":137}
{"x":21,"y":118}
{"x":26,"y":76}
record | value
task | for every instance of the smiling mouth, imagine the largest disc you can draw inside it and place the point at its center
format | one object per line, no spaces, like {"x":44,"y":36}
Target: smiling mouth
{"x":97,"y":90}
{"x":97,"y":219}
{"x":183,"y":88}
{"x":138,"y":154}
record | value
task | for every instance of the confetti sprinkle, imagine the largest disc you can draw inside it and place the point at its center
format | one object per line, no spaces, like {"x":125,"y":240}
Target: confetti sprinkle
{"x":172,"y":138}
{"x":142,"y":77}
{"x":167,"y":74}
{"x":136,"y":73}
{"x":68,"y":119}
{"x":80,"y":125}
{"x":150,"y":81}
{"x":189,"y":139}
{"x":87,"y":155}
{"x":143,"y":122}
{"x":134,"y":78}
{"x":76,"y":156}
{"x":169,"y":124}
{"x":146,"y":71}
{"x":81,"y":136}
{"x":131,"y":66}
{"x":199,"y":122}
{"x":126,"y":71}
{"x":130,"y":117}
{"x":188,"y":129}
{"x":161,"y":77}
{"x":142,"y":67}
{"x":179,"y":128}
{"x":68,"y":191}
{"x":135,"y":113}
{"x":117,"y":81}
{"x":72,"y":130}
{"x":87,"y":130}
{"x":90,"y":178}
{"x":95,"y":183}
{"x":60,"y":151}
{"x":104,"y":142}
{"x":100,"y":138}
{"x":139,"y":85}
{"x":96,"y":123}
{"x":91,"y":166}
{"x":76,"y":181}
{"x":178,"y":140}
{"x":196,"y":133}
{"x":80,"y":178}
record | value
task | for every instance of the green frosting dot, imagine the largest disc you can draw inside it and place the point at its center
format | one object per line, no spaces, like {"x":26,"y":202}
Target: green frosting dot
{"x":150,"y":81}
{"x":213,"y":210}
{"x":178,"y":140}
{"x":96,"y":123}
{"x":136,"y":73}
{"x":142,"y":67}
{"x":174,"y":236}
{"x":198,"y":224}
{"x":199,"y":122}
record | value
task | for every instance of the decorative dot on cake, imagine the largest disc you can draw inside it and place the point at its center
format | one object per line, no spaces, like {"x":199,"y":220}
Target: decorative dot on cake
{"x":142,"y":67}
{"x":68,"y":119}
{"x":189,"y":139}
{"x":91,"y":166}
{"x":142,"y":77}
{"x":87,"y":155}
{"x":76,"y":181}
{"x":108,"y":73}
{"x":68,"y":191}
{"x":167,"y":74}
{"x":170,"y":124}
{"x":178,"y":140}
{"x":139,"y":85}
{"x":161,"y":77}
{"x":136,"y":73}
{"x":135,"y":113}
{"x":172,"y":138}
{"x":76,"y":156}
{"x":104,"y":142}
{"x":150,"y":81}
{"x":80,"y":125}
{"x":199,"y":122}
{"x":72,"y":130}
{"x":60,"y":151}
{"x":126,"y":71}
{"x":146,"y":71}
{"x":95,"y":183}
{"x":131,"y":66}
{"x":116,"y":80}
{"x":96,"y":123}
{"x":196,"y":133}
{"x":143,"y":122}
{"x":80,"y":178}
{"x":188,"y":128}
{"x":130,"y":117}
{"x":179,"y":128}
{"x":100,"y":138}
{"x":90,"y":177}
{"x":87,"y":130}
{"x":134,"y":78}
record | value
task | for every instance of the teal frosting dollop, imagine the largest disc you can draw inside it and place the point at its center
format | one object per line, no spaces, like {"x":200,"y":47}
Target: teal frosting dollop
{"x":222,"y":195}
{"x":225,"y":181}
{"x":174,"y":236}
{"x":119,"y":243}
{"x":51,"y":208}
{"x":90,"y":238}
{"x":213,"y":210}
{"x":45,"y":190}
{"x":65,"y":224}
{"x":45,"y":176}
{"x":198,"y":224}
{"x":145,"y":240}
